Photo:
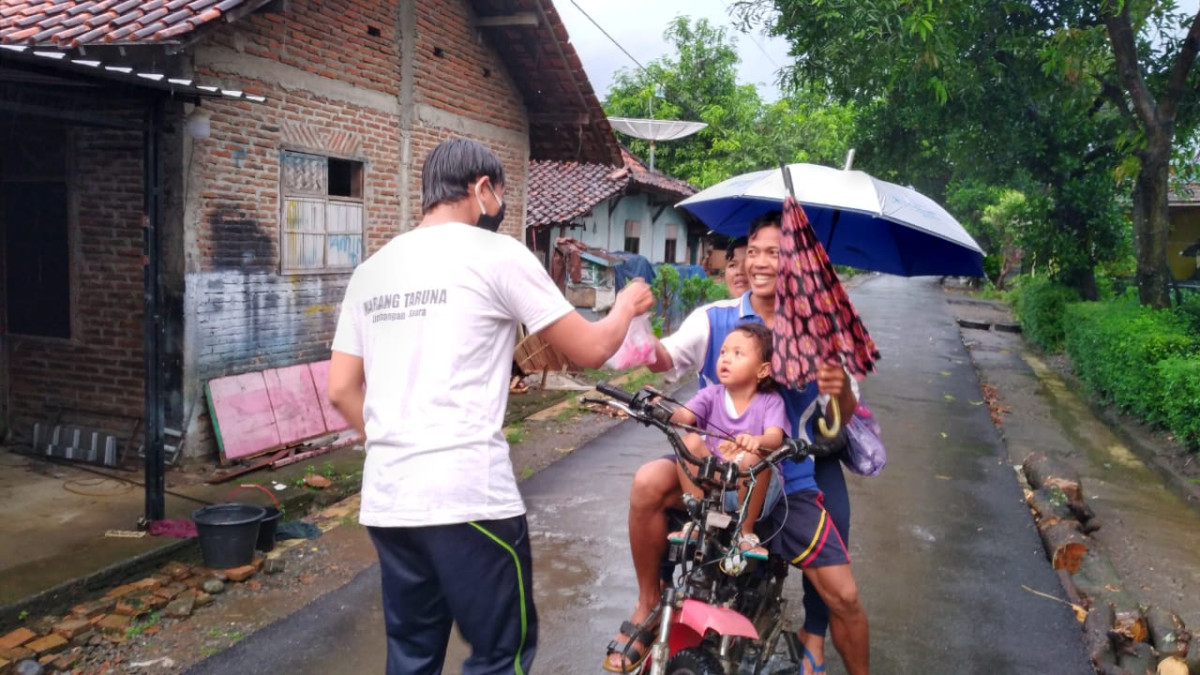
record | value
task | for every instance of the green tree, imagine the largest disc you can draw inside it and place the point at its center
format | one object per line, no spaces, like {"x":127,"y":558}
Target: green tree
{"x":1155,"y":72}
{"x":974,"y":91}
{"x":699,"y":82}
{"x":1067,"y":101}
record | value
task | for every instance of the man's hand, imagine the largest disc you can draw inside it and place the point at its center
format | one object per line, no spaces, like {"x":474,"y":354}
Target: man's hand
{"x":636,"y":296}
{"x":831,"y":379}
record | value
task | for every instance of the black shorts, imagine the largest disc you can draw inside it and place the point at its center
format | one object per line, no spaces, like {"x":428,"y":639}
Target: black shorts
{"x":806,"y":535}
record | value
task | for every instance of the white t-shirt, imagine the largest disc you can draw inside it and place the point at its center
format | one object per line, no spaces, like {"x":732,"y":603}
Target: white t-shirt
{"x":433,"y":314}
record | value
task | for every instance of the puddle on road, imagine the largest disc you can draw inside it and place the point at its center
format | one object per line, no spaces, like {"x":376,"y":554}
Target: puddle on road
{"x":562,"y":571}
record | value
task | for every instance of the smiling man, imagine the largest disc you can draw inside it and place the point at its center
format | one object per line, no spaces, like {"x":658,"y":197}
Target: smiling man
{"x":813,"y":489}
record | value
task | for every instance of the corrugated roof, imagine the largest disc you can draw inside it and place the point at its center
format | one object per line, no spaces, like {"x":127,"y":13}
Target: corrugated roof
{"x":67,"y":24}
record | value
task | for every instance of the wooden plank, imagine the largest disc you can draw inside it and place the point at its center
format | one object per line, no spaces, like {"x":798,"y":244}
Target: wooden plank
{"x":294,"y":400}
{"x":320,"y":377}
{"x":242,"y":416}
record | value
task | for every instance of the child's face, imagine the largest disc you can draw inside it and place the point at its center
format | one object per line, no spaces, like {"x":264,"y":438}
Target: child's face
{"x":740,"y":361}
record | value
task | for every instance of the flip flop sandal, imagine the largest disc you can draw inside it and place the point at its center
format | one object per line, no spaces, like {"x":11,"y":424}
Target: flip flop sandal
{"x":634,"y":657}
{"x":747,"y":543}
{"x":812,"y":661}
{"x":677,"y":537}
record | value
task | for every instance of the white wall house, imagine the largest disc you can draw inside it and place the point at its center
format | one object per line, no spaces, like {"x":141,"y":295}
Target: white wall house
{"x":613,"y":209}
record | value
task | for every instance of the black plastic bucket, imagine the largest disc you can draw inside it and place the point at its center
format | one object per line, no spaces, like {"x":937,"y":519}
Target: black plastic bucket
{"x":266,"y":530}
{"x":228,"y":533}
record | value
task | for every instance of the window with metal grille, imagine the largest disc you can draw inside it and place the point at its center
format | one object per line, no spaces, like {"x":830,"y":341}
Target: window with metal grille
{"x":322,"y":219}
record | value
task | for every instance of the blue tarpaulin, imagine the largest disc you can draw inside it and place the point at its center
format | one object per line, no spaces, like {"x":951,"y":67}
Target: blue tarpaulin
{"x":634,"y":266}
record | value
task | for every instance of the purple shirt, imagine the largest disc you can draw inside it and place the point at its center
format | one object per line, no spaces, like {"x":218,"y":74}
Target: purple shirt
{"x":714,"y":412}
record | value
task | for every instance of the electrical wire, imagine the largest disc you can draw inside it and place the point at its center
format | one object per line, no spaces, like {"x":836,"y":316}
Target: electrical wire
{"x":687,"y":108}
{"x":612,"y":39}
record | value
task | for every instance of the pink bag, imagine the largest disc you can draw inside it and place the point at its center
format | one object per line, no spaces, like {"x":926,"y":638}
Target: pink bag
{"x":638,"y":347}
{"x":864,"y":454}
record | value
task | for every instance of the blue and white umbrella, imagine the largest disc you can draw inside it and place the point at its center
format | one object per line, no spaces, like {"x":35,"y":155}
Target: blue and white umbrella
{"x":862,"y":221}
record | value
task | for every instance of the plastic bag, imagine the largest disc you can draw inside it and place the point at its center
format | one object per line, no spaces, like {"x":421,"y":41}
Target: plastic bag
{"x":865,"y":454}
{"x":638,"y":347}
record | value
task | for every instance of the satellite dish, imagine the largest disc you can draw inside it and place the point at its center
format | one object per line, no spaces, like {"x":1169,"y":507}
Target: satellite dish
{"x":655,"y":130}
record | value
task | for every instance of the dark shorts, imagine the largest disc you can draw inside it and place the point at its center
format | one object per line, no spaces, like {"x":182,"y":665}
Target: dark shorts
{"x":806,"y":535}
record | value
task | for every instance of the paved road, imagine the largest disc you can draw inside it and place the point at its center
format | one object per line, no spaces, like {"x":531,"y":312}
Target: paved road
{"x":941,"y":541}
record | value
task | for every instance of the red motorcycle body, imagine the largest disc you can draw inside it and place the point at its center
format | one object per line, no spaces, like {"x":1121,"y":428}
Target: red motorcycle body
{"x":697,"y":619}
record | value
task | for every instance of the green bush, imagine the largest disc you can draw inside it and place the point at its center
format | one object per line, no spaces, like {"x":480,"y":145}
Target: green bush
{"x":1041,"y":306}
{"x":1179,"y":397}
{"x":1189,"y":309}
{"x":1116,"y":348}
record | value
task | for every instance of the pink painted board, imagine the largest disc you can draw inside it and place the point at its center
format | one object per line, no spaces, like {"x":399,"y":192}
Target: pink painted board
{"x":333,"y":419}
{"x":294,"y":400}
{"x":242,"y":415}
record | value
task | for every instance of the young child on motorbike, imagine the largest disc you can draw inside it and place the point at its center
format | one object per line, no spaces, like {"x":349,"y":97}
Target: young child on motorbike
{"x":745,"y":406}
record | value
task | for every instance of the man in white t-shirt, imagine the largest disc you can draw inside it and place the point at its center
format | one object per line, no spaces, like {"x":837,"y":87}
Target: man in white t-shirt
{"x":420,"y":365}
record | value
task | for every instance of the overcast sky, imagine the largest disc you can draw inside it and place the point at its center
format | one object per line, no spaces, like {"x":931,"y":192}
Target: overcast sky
{"x":639,"y":24}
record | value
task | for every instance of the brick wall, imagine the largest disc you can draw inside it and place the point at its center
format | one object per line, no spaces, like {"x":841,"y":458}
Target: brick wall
{"x":458,"y":73}
{"x":100,"y":367}
{"x":242,"y":314}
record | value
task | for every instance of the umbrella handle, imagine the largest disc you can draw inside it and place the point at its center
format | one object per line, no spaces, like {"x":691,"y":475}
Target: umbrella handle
{"x":832,"y":430}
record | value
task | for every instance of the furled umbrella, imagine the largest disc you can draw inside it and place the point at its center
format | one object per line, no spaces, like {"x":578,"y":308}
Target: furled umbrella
{"x":814,"y":320}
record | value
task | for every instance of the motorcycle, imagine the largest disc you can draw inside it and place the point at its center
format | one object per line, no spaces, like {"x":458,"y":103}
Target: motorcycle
{"x":721,"y":612}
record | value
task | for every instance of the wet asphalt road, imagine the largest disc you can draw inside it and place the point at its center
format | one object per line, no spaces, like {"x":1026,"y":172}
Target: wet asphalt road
{"x":941,"y":541}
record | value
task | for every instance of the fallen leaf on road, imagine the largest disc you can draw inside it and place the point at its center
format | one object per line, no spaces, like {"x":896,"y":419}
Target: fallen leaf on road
{"x":976,"y":402}
{"x":945,"y":373}
{"x":949,"y":398}
{"x":940,"y":476}
{"x":945,"y":435}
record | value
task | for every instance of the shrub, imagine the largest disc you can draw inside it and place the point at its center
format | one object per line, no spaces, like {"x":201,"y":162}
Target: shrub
{"x":1179,"y":398}
{"x":1041,"y":305}
{"x":1116,"y":348}
{"x":1189,"y":309}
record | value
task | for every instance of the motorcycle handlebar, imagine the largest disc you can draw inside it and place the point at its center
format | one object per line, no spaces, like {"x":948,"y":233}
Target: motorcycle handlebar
{"x":640,"y":406}
{"x":615,"y":392}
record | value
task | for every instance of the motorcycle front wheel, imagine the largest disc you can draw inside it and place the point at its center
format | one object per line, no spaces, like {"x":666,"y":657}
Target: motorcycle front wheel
{"x":694,"y":662}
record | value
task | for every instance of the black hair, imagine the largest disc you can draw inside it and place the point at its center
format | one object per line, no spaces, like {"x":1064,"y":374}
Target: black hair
{"x":734,"y":244}
{"x":451,"y":167}
{"x":769,"y":219}
{"x":766,"y":349}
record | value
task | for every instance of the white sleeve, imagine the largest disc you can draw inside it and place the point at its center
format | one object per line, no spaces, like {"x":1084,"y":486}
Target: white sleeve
{"x":687,"y":346}
{"x":527,"y":292}
{"x":348,"y":338}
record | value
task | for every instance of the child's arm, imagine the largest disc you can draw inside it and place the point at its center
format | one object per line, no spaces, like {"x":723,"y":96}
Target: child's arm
{"x":769,"y":441}
{"x":683,"y":416}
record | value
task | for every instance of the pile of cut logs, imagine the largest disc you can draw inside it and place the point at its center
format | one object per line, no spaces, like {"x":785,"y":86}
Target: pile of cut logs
{"x":1122,"y":637}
